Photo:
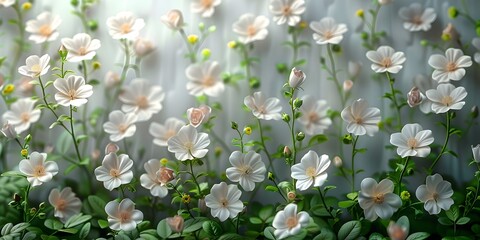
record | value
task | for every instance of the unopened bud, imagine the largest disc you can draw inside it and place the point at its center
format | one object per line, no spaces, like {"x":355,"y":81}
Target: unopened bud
{"x":450,"y":33}
{"x":112,"y":79}
{"x":287,"y":152}
{"x":26,"y":6}
{"x":405,"y":195}
{"x":297,"y":103}
{"x":41,"y":205}
{"x":24,"y":153}
{"x":347,"y":139}
{"x":271,"y":176}
{"x":397,"y":231}
{"x":296,"y":79}
{"x":300,"y":136}
{"x":33,"y":210}
{"x":247,"y":130}
{"x":176,"y":223}
{"x":186,"y":198}
{"x":17,"y":197}
{"x":414,"y":97}
{"x":96,"y":65}
{"x":192,"y":39}
{"x":453,"y":12}
{"x":354,"y":68}
{"x":347,"y":85}
{"x":9,"y":131}
{"x":232,"y":44}
{"x":234,"y":125}
{"x":93,"y":25}
{"x":474,"y":112}
{"x":202,"y":206}
{"x":286,"y":117}
{"x":360,"y":13}
{"x":291,"y":196}
{"x":163,"y":161}
{"x":142,"y":47}
{"x":8,"y":89}
{"x":337,"y":161}
{"x":254,"y":83}
{"x":281,"y":67}
{"x":111,"y":148}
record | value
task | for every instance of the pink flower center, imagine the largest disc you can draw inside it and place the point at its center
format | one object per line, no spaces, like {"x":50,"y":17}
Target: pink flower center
{"x":286,"y":10}
{"x":39,"y":171}
{"x":311,"y":172}
{"x":447,"y":101}
{"x":142,"y":102}
{"x":125,"y":28}
{"x":164,"y":175}
{"x":206,"y":3}
{"x":451,"y":67}
{"x":328,"y":34}
{"x":72,"y":94}
{"x":125,"y":217}
{"x":61,"y":204}
{"x":251,"y":30}
{"x":82,"y":51}
{"x":412,"y":143}
{"x":45,"y":30}
{"x":224,"y":203}
{"x":122,"y":128}
{"x":313,"y":117}
{"x":386,"y":62}
{"x":25,"y":117}
{"x":358,"y":120}
{"x":379,"y":198}
{"x":114,"y":173}
{"x":208,"y":81}
{"x":417,"y":20}
{"x":292,"y":222}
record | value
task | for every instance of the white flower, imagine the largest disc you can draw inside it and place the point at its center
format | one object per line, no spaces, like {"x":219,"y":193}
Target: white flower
{"x":7,"y":3}
{"x":8,"y":131}
{"x":436,"y":194}
{"x":205,"y":7}
{"x":378,"y":199}
{"x":310,"y":171}
{"x":224,"y":201}
{"x":22,"y":114}
{"x":142,"y":99}
{"x":385,"y":59}
{"x":111,"y":79}
{"x":81,"y":47}
{"x":425,"y":84}
{"x":156,"y":178}
{"x":287,"y":11}
{"x":125,"y":25}
{"x":296,"y":78}
{"x":35,"y":66}
{"x":268,"y":109}
{"x":43,"y":29}
{"x":115,"y":171}
{"x":173,"y":19}
{"x":476,"y":44}
{"x":251,"y":28}
{"x":72,"y":91}
{"x":412,"y":141}
{"x":142,"y":47}
{"x":288,"y":222}
{"x":65,"y":203}
{"x":38,"y":170}
{"x":384,"y":2}
{"x":205,"y":79}
{"x":361,"y":120}
{"x":328,"y":31}
{"x":120,"y":125}
{"x":162,"y":133}
{"x":476,"y":153}
{"x":416,"y":18}
{"x":449,"y":67}
{"x":247,"y":169}
{"x":188,"y":143}
{"x":123,"y":215}
{"x":446,"y":97}
{"x":314,"y":116}
{"x":197,"y":116}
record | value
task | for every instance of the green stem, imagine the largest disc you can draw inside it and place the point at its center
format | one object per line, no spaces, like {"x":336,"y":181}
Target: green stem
{"x":191,"y":51}
{"x":85,"y":107}
{"x":44,"y":97}
{"x":241,"y":139}
{"x":280,"y":190}
{"x":292,"y":129}
{"x":444,"y":147}
{"x":354,"y":152}
{"x":270,"y":162}
{"x":394,"y":100}
{"x":401,"y":175}
{"x":75,"y":144}
{"x":373,"y":34}
{"x":246,"y":60}
{"x":333,"y":73}
{"x":195,"y":179}
{"x":137,"y":67}
{"x":294,"y":47}
{"x":220,"y":141}
{"x":25,"y":207}
{"x":20,"y":42}
{"x":324,"y":203}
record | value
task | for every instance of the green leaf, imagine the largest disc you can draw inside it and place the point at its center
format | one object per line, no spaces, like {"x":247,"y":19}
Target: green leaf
{"x":350,"y":230}
{"x":81,"y":138}
{"x":97,"y":205}
{"x":268,"y":233}
{"x":84,"y":231}
{"x":192,"y":225}
{"x":212,"y":228}
{"x":53,"y":224}
{"x":266,"y":212}
{"x":317,"y":139}
{"x":325,"y":234}
{"x":29,"y":236}
{"x":77,"y":220}
{"x":352,"y":195}
{"x":163,"y":229}
{"x":231,"y":236}
{"x":418,"y":236}
{"x":463,"y":220}
{"x":453,"y":213}
{"x":12,"y":174}
{"x":70,"y":169}
{"x":376,"y":236}
{"x":271,"y":188}
{"x":346,"y":204}
{"x":445,"y":221}
{"x":102,"y":223}
{"x":19,"y":227}
{"x":69,"y":230}
{"x":255,"y":220}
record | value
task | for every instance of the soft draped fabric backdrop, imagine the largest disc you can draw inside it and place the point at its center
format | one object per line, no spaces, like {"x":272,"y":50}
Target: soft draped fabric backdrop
{"x":166,"y":67}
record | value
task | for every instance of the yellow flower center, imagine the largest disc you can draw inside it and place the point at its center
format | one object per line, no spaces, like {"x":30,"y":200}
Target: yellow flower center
{"x":25,"y":117}
{"x":206,"y":3}
{"x":125,"y":28}
{"x":451,"y":66}
{"x":114,"y":173}
{"x":292,"y":222}
{"x":311,"y":172}
{"x":208,"y":81}
{"x":39,"y":171}
{"x":386,"y":62}
{"x":122,"y":128}
{"x":412,"y":143}
{"x":447,"y":101}
{"x":142,"y":102}
{"x":379,"y":198}
{"x":36,"y":68}
{"x":358,"y":120}
{"x":45,"y":30}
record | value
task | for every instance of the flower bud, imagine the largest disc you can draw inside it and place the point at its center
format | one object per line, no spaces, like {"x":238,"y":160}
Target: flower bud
{"x":347,"y":85}
{"x":111,"y":148}
{"x":287,"y":152}
{"x":247,"y":130}
{"x":8,"y":89}
{"x":232,"y":44}
{"x":218,"y":151}
{"x":192,"y":39}
{"x":143,"y":47}
{"x":165,"y":175}
{"x":281,"y":67}
{"x":92,"y":25}
{"x":347,"y":139}
{"x":234,"y":125}
{"x":453,"y":12}
{"x":476,"y":153}
{"x":271,"y":176}
{"x":163,"y":161}
{"x":474,"y":112}
{"x":206,"y":53}
{"x":286,"y":117}
{"x":16,"y":197}
{"x":354,"y":68}
{"x":405,"y":195}
{"x":296,"y":79}
{"x":360,"y":13}
{"x":173,"y":19}
{"x":175,"y":223}
{"x":41,"y":205}
{"x":450,"y":33}
{"x":397,"y":231}
{"x":297,"y":103}
{"x":302,"y":24}
{"x":212,"y":29}
{"x":26,"y":6}
{"x":202,"y":206}
{"x":197,"y":116}
{"x":364,"y":35}
{"x":96,"y":65}
{"x":300,"y":136}
{"x":8,"y":131}
{"x":291,"y":196}
{"x":186,"y":198}
{"x":424,"y":43}
{"x":63,"y":52}
{"x":414,"y":97}
{"x":337,"y":161}
{"x":33,"y":211}
{"x":254,"y":83}
{"x":24,"y":152}
{"x":95,"y":154}
{"x":112,"y":79}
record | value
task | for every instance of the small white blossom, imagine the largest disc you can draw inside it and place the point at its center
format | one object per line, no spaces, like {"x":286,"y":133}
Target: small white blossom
{"x":446,"y":97}
{"x":328,"y":31}
{"x":412,"y":141}
{"x":173,"y":19}
{"x":7,"y":3}
{"x":266,"y":109}
{"x":449,"y":67}
{"x":314,"y":116}
{"x":142,"y":47}
{"x":22,"y":114}
{"x":205,"y":79}
{"x":385,"y":59}
{"x":142,"y":99}
{"x":156,"y":178}
{"x":115,"y":171}
{"x":81,"y":47}
{"x":8,"y":131}
{"x":288,"y":222}
{"x":37,"y":169}
{"x":43,"y":28}
{"x":311,"y":171}
{"x":188,"y":143}
{"x":162,"y":133}
{"x":123,"y":215}
{"x":205,"y":7}
{"x":65,"y":203}
{"x":251,"y":28}
{"x":224,"y":201}
{"x":476,"y":153}
{"x":35,"y":66}
{"x":416,"y":18}
{"x":436,"y":194}
{"x":247,"y":169}
{"x":378,"y":199}
{"x":361,"y":119}
{"x":120,"y":125}
{"x":287,"y":11}
{"x":125,"y":25}
{"x":72,"y":91}
{"x":296,"y":78}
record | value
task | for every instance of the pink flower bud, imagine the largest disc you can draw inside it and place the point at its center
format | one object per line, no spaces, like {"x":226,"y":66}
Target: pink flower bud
{"x":202,"y":205}
{"x":112,"y":79}
{"x":9,"y":131}
{"x":165,"y":175}
{"x":396,"y":231}
{"x":197,"y":116}
{"x":296,"y":79}
{"x":175,"y":223}
{"x":450,"y":32}
{"x":143,"y":47}
{"x":414,"y":97}
{"x":111,"y":148}
{"x":337,"y":161}
{"x":173,"y":19}
{"x":347,"y":85}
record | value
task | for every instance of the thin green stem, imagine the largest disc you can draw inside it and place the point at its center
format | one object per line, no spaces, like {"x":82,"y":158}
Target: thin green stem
{"x":75,"y":144}
{"x":270,"y":162}
{"x":401,"y":175}
{"x":373,"y":34}
{"x":292,"y":129}
{"x":394,"y":100}
{"x":241,"y":139}
{"x":294,"y":47}
{"x":85,"y":106}
{"x":324,"y":203}
{"x":354,"y":152}
{"x":137,"y":67}
{"x":246,"y":60}
{"x":191,"y":52}
{"x":44,"y":97}
{"x":279,"y":190}
{"x":219,"y":140}
{"x":194,"y":178}
{"x":25,"y":207}
{"x":444,"y":147}
{"x":333,"y":73}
